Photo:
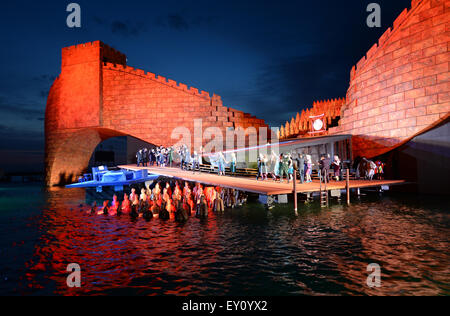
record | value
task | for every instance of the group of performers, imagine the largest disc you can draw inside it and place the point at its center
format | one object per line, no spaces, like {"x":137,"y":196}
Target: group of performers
{"x":160,"y":156}
{"x":196,"y":160}
{"x":172,"y":202}
{"x":276,"y":166}
{"x":284,"y":165}
{"x":368,"y":169}
{"x":185,"y":158}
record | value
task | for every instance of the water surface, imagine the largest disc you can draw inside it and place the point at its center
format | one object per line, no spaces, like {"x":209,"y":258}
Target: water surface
{"x":247,"y":251}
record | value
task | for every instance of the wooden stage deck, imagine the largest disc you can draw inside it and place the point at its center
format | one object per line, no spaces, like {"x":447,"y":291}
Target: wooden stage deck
{"x":268,"y":187}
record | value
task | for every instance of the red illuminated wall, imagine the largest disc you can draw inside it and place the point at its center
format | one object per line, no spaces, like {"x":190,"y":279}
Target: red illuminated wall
{"x":301,"y":124}
{"x":401,"y":86}
{"x":97,"y":96}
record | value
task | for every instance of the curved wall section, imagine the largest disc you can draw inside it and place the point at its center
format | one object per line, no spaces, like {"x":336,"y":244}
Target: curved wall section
{"x":401,"y":86}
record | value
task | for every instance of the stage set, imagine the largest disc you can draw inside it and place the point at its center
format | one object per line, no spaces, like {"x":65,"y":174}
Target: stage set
{"x":396,"y":108}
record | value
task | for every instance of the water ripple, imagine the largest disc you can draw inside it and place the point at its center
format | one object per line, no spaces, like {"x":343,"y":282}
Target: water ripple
{"x":242,"y":252}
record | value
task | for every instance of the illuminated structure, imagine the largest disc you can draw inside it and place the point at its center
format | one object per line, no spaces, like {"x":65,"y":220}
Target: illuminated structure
{"x":399,"y":89}
{"x":97,"y":96}
{"x":301,"y":124}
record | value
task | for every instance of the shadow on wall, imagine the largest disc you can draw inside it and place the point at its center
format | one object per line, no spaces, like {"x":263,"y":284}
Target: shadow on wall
{"x":424,"y":160}
{"x":65,"y":179}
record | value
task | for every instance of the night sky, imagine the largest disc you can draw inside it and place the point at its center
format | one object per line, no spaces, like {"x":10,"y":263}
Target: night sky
{"x":268,"y":58}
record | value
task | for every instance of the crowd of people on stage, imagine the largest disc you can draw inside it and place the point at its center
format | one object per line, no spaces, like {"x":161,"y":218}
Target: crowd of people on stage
{"x":179,"y":201}
{"x":159,"y":156}
{"x":273,"y":165}
{"x":368,"y":169}
{"x":186,"y":159}
{"x":172,"y":200}
{"x":283,"y":166}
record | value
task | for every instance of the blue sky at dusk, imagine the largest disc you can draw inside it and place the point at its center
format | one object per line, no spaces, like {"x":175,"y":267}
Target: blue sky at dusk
{"x":268,"y":58}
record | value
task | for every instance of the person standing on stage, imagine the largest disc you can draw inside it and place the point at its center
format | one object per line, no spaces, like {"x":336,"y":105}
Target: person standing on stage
{"x":262,"y":167}
{"x":308,"y":168}
{"x":145,"y":157}
{"x":221,"y":163}
{"x":170,"y":156}
{"x":284,"y":167}
{"x":336,"y":166}
{"x":139,"y":157}
{"x":233,"y":164}
{"x":152,"y":157}
{"x":301,"y":167}
{"x":259,"y":163}
{"x":163,"y":156}
{"x":195,"y":162}
{"x":291,"y":168}
{"x":275,"y":165}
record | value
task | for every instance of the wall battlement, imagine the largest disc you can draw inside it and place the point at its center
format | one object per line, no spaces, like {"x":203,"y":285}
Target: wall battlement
{"x":402,"y":86}
{"x":91,"y":52}
{"x":301,"y":124}
{"x":391,"y":31}
{"x":97,"y":96}
{"x":158,"y":78}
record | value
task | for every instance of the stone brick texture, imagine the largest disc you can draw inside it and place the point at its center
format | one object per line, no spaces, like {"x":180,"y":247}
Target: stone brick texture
{"x":97,"y":96}
{"x":401,"y":86}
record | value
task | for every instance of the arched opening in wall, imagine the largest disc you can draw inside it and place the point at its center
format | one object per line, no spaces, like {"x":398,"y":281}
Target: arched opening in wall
{"x":115,"y":151}
{"x":70,"y":152}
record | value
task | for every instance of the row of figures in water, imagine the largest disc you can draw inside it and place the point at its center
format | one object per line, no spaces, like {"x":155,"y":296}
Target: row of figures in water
{"x":172,"y":202}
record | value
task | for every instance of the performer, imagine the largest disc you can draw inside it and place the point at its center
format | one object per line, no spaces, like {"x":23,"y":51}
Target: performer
{"x":126,"y":205}
{"x":301,"y":167}
{"x":177,"y":195}
{"x":170,"y":156}
{"x":292,"y":168}
{"x":139,"y":157}
{"x":145,"y":157}
{"x":200,"y":157}
{"x":308,"y":168}
{"x":336,"y":166}
{"x":157,"y":156}
{"x":262,"y":167}
{"x":152,"y":157}
{"x":195,"y":162}
{"x":218,"y":202}
{"x":105,"y":208}
{"x":284,"y":170}
{"x":221,"y":163}
{"x":135,"y":207}
{"x":275,"y":168}
{"x":143,"y":202}
{"x":202,"y":208}
{"x":188,"y":157}
{"x":114,"y":206}
{"x":94,"y":208}
{"x":233,"y":164}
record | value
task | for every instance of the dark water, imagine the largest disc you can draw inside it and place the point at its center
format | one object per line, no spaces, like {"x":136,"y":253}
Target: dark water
{"x":248,"y":251}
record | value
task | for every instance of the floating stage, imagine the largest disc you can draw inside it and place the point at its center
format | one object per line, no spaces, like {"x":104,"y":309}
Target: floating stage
{"x":265,"y":188}
{"x":102,"y":177}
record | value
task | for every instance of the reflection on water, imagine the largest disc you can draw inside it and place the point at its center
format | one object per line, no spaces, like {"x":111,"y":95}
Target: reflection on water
{"x":248,"y":251}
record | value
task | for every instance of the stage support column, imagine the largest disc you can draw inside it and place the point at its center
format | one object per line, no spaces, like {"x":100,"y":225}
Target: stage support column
{"x":347,"y":185}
